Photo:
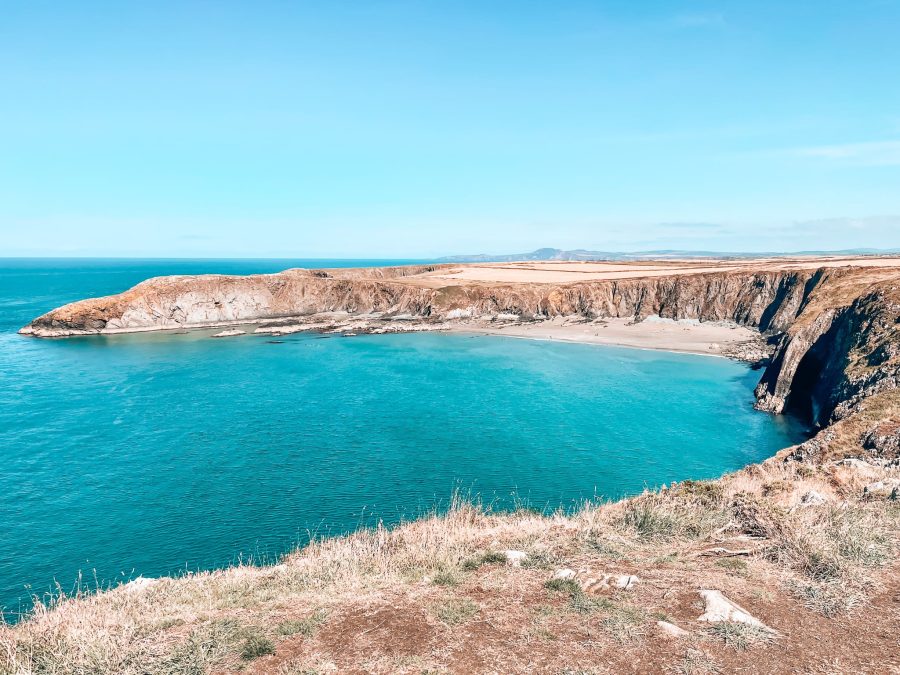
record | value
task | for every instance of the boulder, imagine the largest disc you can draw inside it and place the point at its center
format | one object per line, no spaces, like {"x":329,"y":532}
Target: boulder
{"x":719,"y":608}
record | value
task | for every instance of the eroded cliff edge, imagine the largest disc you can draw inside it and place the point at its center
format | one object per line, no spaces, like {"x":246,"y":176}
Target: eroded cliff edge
{"x":835,"y":329}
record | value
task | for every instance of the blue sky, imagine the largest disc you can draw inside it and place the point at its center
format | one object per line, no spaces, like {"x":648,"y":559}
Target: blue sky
{"x":415,"y":129}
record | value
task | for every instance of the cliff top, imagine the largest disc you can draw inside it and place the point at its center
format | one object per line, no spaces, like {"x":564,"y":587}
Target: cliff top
{"x":564,"y":272}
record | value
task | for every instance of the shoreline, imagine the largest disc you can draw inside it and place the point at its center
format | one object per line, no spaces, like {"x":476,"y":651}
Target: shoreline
{"x":718,"y":339}
{"x":710,"y":338}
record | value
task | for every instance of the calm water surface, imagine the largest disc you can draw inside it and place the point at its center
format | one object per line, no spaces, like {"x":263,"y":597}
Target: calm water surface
{"x":149,"y":454}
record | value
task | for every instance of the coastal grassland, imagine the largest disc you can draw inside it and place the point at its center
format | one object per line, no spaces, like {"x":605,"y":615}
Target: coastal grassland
{"x":438,"y":595}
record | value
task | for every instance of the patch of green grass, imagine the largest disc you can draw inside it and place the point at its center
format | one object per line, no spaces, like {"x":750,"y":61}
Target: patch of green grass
{"x":732,"y":564}
{"x":624,"y":623}
{"x":568,"y":586}
{"x":487,"y":558}
{"x":578,"y":600}
{"x":828,"y":599}
{"x":256,"y":645}
{"x":204,"y":647}
{"x":603,"y":548}
{"x":584,"y":604}
{"x":538,"y":561}
{"x":740,"y":636}
{"x":455,"y":611}
{"x":445,"y":578}
{"x":696,"y":662}
{"x":306,"y":626}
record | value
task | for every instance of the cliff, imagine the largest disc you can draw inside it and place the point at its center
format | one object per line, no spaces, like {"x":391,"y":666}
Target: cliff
{"x":834,"y":327}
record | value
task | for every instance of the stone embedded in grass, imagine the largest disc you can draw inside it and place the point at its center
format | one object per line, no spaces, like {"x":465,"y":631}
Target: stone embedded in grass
{"x":626,"y":581}
{"x":719,"y":608}
{"x":671,"y":630}
{"x":812,"y":498}
{"x":889,"y":487}
{"x":515,"y":558}
{"x":564,"y":574}
{"x":139,"y":584}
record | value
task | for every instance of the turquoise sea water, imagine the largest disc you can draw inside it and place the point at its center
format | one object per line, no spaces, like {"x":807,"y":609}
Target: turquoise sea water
{"x":149,"y":454}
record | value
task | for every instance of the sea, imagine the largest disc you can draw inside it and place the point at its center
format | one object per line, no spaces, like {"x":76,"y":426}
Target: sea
{"x":162,"y":453}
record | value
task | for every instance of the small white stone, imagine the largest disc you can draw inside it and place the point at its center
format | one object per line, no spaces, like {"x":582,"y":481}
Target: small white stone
{"x":139,"y":584}
{"x":626,"y":581}
{"x":564,"y":574}
{"x":515,"y":558}
{"x":671,"y":630}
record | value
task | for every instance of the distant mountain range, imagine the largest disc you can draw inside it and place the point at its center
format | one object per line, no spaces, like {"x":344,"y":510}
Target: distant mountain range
{"x":582,"y":254}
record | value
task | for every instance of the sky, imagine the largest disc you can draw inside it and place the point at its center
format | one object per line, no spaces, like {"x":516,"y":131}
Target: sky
{"x":401,"y":128}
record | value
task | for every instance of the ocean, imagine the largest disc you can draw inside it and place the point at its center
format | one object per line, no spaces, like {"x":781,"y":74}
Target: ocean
{"x":152,"y":454}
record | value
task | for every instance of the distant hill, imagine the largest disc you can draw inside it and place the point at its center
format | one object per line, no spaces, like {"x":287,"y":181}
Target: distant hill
{"x":582,"y":254}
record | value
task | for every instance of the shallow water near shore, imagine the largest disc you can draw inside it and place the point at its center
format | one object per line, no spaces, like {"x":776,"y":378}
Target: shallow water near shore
{"x":155,"y":453}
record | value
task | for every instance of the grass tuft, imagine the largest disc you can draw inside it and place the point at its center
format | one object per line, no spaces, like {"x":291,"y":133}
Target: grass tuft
{"x":306,"y":626}
{"x":740,"y":636}
{"x":256,"y":645}
{"x":488,"y":558}
{"x":455,"y":611}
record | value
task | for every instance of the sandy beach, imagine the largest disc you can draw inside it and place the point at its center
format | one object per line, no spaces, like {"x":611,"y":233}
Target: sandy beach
{"x":709,"y":338}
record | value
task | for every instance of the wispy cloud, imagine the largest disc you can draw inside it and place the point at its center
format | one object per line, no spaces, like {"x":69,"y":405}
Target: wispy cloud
{"x":871,"y":224}
{"x":873,"y":153}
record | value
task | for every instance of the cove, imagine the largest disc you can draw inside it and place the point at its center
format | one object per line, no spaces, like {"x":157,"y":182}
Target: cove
{"x":154,"y":453}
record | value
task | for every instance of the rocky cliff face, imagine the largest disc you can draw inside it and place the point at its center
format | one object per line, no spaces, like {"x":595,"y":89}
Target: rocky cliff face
{"x":836,"y":329}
